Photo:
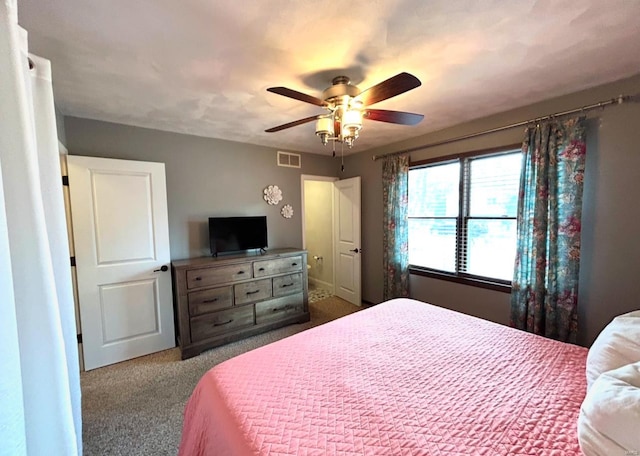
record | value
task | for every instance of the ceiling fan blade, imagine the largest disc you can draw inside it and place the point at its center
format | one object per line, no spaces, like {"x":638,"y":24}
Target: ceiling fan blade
{"x":400,"y":83}
{"x":295,"y":123}
{"x":396,"y":117}
{"x":297,"y":95}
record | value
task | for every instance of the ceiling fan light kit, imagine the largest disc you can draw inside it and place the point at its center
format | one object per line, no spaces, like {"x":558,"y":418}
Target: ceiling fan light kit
{"x":347,"y":106}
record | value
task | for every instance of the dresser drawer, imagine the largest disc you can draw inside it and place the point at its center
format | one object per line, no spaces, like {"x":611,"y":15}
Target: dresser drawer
{"x":277,"y":266}
{"x":252,"y":291}
{"x":278,"y":309}
{"x":213,"y":324}
{"x":197,"y":278}
{"x":286,"y":285}
{"x":210,"y":300}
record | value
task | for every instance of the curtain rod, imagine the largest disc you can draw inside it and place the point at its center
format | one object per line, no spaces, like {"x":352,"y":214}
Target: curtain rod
{"x":613,"y":101}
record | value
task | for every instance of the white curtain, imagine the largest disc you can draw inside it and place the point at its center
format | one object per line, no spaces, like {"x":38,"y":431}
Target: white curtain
{"x":39,"y":380}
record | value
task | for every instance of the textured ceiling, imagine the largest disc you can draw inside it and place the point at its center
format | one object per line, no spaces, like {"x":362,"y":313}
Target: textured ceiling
{"x":203,"y":67}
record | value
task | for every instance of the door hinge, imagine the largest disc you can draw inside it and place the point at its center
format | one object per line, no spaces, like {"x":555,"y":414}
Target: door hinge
{"x":79,"y":338}
{"x":73,"y":261}
{"x":65,"y":181}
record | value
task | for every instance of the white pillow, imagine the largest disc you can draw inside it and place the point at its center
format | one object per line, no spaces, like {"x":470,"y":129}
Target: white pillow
{"x":617,"y":345}
{"x":609,"y":421}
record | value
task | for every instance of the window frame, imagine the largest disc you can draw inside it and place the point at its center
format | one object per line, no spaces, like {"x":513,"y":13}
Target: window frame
{"x":461,"y":220}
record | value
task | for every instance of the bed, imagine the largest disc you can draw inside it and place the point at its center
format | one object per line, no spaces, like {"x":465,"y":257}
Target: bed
{"x":400,"y":378}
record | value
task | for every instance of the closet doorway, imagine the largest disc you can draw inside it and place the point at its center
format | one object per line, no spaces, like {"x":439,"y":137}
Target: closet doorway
{"x":331,"y":235}
{"x":317,"y":234}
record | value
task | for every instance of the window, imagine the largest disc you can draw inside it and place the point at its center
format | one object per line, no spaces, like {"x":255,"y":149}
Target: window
{"x":462,"y":216}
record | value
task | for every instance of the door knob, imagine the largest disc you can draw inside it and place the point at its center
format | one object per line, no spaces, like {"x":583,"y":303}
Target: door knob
{"x":163,"y":268}
{"x":356,"y":250}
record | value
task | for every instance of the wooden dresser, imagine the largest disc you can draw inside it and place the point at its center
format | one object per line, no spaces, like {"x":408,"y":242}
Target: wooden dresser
{"x":219,"y":300}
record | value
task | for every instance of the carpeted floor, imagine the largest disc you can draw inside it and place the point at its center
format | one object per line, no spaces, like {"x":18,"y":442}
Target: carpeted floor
{"x":135,"y":407}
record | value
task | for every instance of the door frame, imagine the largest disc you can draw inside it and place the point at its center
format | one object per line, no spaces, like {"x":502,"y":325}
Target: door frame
{"x":332,"y":179}
{"x":64,"y":152}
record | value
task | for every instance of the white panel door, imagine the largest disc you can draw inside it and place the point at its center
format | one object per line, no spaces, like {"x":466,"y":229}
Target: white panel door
{"x":346,"y":206}
{"x":121,"y":236}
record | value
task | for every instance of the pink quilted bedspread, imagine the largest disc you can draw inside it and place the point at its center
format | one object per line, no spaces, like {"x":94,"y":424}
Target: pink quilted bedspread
{"x":400,"y":378}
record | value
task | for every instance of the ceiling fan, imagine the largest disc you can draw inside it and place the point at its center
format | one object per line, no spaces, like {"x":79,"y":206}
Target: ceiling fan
{"x":347,"y":106}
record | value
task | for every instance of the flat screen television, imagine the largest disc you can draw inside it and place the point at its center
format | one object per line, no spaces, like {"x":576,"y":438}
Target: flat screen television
{"x":236,"y":234}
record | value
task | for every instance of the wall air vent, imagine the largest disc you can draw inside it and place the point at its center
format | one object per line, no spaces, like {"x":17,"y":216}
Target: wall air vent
{"x":289,"y":160}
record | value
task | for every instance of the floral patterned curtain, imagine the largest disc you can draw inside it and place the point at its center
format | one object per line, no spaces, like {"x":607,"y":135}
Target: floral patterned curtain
{"x":395,"y":196}
{"x":544,"y":297}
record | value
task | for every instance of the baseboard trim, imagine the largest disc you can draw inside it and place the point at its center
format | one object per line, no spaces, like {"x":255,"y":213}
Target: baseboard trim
{"x":322,"y":284}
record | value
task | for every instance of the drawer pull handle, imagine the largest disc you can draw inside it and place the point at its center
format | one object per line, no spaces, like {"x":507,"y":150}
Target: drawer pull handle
{"x":223,"y":323}
{"x":198,"y":278}
{"x":261,"y":269}
{"x":209,"y":300}
{"x":240,"y":272}
{"x":281,"y":309}
{"x":294,"y":264}
{"x":287,"y":285}
{"x":253,"y":292}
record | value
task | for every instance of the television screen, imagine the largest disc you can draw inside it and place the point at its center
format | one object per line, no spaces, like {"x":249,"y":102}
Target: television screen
{"x":235,"y":234}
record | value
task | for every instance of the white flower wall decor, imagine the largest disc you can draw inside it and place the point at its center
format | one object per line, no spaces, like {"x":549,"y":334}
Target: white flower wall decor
{"x":287,"y":211}
{"x":272,"y":195}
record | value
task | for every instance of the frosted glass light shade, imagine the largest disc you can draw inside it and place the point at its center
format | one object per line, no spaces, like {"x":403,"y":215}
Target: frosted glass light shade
{"x":324,"y":125}
{"x":352,"y":119}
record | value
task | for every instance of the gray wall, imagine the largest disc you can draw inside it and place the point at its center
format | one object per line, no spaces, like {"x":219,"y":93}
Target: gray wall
{"x":62,"y":136}
{"x":205,"y":177}
{"x":609,"y":273}
{"x":213,"y":177}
